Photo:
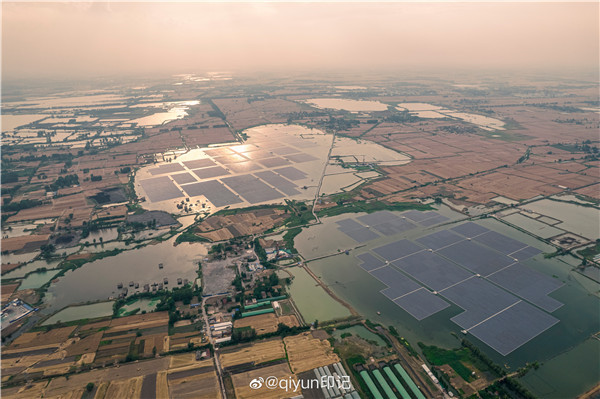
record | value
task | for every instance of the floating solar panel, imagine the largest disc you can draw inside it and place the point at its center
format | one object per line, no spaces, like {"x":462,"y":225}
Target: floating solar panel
{"x":500,"y":242}
{"x":432,"y":221}
{"x":166,"y":168}
{"x":273,"y":162}
{"x":242,"y":149}
{"x":372,"y":219}
{"x":183,"y":178}
{"x":479,"y":298}
{"x":284,"y":150}
{"x":361,"y":235}
{"x":421,"y":304}
{"x":477,"y":258}
{"x":470,"y":229}
{"x":525,"y":253}
{"x":215,"y":152}
{"x":529,"y":284}
{"x":417,"y":216}
{"x":440,"y":239}
{"x":394,"y":279}
{"x":252,"y":189}
{"x":304,"y":143}
{"x":348,"y":225}
{"x":394,"y":226}
{"x":199,"y":163}
{"x":214,"y":191}
{"x":432,"y":270}
{"x":396,"y":250}
{"x":280,"y":183}
{"x":392,"y":293}
{"x":513,"y":328}
{"x":260,"y":154}
{"x":160,"y":189}
{"x":299,"y":158}
{"x":207,"y":173}
{"x":291,"y":173}
{"x":229,"y":159}
{"x":370,"y":262}
{"x":243,"y":167}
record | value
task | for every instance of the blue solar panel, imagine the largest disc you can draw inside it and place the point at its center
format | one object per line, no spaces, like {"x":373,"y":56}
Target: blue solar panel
{"x":421,"y":304}
{"x":440,"y":239}
{"x":525,"y":253}
{"x":370,"y":262}
{"x":361,"y":235}
{"x":396,"y":250}
{"x":470,"y":229}
{"x":513,"y":327}
{"x":529,"y":284}
{"x":500,"y":242}
{"x":479,"y":298}
{"x":432,"y":270}
{"x":475,"y":257}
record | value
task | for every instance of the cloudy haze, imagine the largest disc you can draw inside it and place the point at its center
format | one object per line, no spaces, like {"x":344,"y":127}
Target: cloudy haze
{"x":91,"y":39}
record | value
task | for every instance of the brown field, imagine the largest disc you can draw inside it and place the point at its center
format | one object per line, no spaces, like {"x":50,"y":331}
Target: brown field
{"x":52,"y":338}
{"x":141,"y":321}
{"x":262,"y":324}
{"x":241,"y":382}
{"x":6,"y":267}
{"x":242,"y":113}
{"x":306,"y":353}
{"x":29,"y":242}
{"x":259,"y":352}
{"x":197,"y":381}
{"x":125,"y":389}
{"x":218,"y":228}
{"x":85,"y":345}
{"x":289,"y":320}
{"x":7,"y":291}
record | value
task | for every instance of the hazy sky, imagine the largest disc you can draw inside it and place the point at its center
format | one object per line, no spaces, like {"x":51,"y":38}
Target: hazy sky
{"x":88,"y":39}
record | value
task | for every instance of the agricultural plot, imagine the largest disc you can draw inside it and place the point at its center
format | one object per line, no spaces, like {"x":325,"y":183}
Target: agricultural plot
{"x":306,"y":352}
{"x":256,"y":353}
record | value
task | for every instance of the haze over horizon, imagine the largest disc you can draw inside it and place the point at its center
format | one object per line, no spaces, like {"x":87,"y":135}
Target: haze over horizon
{"x":57,"y":40}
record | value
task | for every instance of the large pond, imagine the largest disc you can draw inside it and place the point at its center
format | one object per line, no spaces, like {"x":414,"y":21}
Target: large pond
{"x":98,"y":280}
{"x":578,"y":219}
{"x":311,"y":299}
{"x":347,"y":105}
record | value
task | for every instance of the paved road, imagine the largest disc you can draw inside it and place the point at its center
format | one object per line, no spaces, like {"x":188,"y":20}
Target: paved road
{"x":216,"y":351}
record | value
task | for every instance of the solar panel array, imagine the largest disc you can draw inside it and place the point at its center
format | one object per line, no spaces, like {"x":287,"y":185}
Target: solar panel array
{"x":248,"y":172}
{"x":505,"y":303}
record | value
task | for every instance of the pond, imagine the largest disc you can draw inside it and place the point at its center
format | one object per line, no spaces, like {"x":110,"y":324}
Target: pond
{"x":37,"y":279}
{"x":310,"y":298}
{"x":360,"y":331}
{"x":143,"y":304}
{"x":347,"y":105}
{"x":71,"y":313}
{"x":30,"y":267}
{"x":578,"y":219}
{"x":98,"y":280}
